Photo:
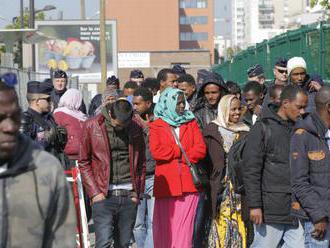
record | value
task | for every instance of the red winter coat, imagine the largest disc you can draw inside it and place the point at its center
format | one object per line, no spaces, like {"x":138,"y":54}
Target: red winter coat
{"x":73,"y":127}
{"x":95,"y":156}
{"x":171,"y":177}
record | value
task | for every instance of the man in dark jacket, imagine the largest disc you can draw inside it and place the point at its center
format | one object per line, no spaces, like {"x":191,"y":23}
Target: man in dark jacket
{"x":253,"y":97}
{"x":267,"y":172}
{"x":310,"y":160}
{"x":187,"y":84}
{"x":60,"y":82}
{"x":143,"y":106}
{"x":208,"y":97}
{"x":36,"y":205}
{"x":112,"y":164}
{"x":38,"y":122}
{"x":112,"y":83}
{"x":297,"y":72}
{"x":281,"y":78}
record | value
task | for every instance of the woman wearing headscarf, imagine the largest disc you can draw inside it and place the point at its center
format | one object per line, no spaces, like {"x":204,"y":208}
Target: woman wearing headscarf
{"x":69,"y":116}
{"x":227,"y":228}
{"x":174,"y":190}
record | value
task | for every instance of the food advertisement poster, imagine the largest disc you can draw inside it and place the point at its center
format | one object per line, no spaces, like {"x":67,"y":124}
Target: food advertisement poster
{"x":75,"y":48}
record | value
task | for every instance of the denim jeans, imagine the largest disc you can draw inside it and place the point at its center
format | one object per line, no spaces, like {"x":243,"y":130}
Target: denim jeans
{"x":114,"y":220}
{"x":202,"y":220}
{"x":271,"y":235}
{"x":310,"y":242}
{"x":143,"y":225}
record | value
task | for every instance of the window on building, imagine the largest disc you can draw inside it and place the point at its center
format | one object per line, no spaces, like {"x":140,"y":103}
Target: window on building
{"x":188,"y":36}
{"x":200,"y":4}
{"x":193,"y":20}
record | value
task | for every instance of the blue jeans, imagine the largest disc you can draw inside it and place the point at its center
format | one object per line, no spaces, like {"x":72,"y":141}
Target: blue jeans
{"x":272,"y":235}
{"x":114,"y":220}
{"x":310,"y":242}
{"x":201,"y":222}
{"x":143,"y":225}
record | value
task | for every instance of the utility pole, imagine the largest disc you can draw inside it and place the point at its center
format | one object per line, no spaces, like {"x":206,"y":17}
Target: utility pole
{"x":22,"y":14}
{"x":82,"y":10}
{"x":31,"y":25}
{"x":103,"y":45}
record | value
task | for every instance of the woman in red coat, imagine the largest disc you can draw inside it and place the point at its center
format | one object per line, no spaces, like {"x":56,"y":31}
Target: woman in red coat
{"x":176,"y":196}
{"x":69,"y":116}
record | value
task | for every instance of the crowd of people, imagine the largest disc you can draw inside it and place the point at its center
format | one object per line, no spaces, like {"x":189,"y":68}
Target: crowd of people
{"x":170,"y":161}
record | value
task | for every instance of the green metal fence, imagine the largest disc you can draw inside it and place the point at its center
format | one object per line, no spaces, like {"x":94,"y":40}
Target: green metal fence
{"x":311,"y":42}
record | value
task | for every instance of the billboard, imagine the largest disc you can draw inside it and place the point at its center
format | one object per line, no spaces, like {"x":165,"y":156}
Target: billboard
{"x":75,"y":47}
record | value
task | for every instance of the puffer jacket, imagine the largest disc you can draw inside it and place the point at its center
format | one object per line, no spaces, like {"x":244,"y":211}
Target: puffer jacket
{"x":36,"y":205}
{"x":267,"y":169}
{"x":310,"y":165}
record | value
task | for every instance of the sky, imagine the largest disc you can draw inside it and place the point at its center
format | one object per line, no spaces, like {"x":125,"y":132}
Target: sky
{"x":70,"y":8}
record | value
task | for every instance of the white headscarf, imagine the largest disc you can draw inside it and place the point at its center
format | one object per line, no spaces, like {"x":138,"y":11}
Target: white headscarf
{"x":227,"y":129}
{"x":70,"y":103}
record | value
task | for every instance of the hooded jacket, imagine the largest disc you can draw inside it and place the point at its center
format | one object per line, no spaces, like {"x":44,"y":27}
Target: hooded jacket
{"x":310,"y":93}
{"x":204,"y":112}
{"x":310,"y":165}
{"x":36,"y":203}
{"x":267,"y":169}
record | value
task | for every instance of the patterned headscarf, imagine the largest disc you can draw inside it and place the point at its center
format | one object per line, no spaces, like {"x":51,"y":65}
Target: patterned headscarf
{"x":165,"y":108}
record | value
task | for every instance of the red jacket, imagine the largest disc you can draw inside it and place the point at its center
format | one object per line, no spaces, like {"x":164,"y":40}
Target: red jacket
{"x":171,"y":177}
{"x":95,"y":156}
{"x":74,"y":129}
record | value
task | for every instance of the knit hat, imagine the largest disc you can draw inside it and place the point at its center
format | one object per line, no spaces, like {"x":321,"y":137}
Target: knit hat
{"x":296,"y":62}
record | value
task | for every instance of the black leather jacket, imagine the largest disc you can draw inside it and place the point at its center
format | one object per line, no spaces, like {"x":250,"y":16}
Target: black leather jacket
{"x":43,"y":129}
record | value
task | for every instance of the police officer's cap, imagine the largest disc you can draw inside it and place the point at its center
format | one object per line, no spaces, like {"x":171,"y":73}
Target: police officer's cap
{"x":178,"y":69}
{"x":112,"y":80}
{"x":60,"y":74}
{"x":281,"y":62}
{"x":36,"y":87}
{"x":255,"y":71}
{"x":136,"y":74}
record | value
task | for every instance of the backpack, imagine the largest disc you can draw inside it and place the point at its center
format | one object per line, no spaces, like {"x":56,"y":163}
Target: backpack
{"x":235,"y":158}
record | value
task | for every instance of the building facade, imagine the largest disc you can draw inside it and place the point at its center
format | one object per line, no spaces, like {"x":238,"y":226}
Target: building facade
{"x":163,"y":25}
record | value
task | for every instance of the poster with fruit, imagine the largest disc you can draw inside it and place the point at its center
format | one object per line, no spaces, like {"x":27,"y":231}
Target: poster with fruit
{"x":75,"y":48}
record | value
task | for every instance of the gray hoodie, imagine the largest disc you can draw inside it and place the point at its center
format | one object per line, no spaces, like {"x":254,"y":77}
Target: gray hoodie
{"x":36,"y":205}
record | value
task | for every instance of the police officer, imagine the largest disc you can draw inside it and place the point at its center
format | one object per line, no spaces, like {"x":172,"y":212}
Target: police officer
{"x":38,"y":122}
{"x":60,"y":81}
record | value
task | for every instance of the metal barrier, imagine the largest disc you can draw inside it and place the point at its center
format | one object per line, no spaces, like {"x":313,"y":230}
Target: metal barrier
{"x":311,"y":42}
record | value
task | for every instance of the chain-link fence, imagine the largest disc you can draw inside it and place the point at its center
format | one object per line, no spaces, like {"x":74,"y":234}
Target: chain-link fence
{"x":24,"y":76}
{"x":311,"y":42}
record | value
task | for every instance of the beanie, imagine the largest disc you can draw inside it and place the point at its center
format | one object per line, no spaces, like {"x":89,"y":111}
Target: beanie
{"x":296,"y":62}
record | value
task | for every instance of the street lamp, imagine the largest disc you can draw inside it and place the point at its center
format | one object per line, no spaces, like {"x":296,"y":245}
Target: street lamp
{"x":32,"y":23}
{"x":46,"y":8}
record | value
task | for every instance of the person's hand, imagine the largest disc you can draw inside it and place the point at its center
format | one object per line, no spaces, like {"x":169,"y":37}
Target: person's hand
{"x":256,"y":216}
{"x":135,"y":200}
{"x":97,"y":198}
{"x":313,"y":85}
{"x":320,"y":229}
{"x":50,"y":135}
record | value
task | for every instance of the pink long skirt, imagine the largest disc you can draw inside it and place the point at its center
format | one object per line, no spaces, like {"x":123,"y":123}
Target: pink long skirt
{"x":173,"y":222}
